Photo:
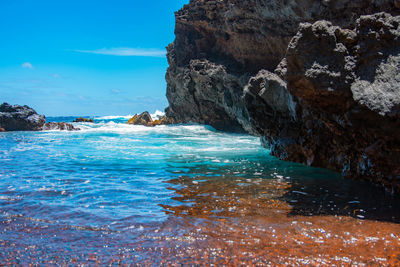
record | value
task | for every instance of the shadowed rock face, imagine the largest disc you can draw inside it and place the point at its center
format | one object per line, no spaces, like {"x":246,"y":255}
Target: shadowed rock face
{"x":347,"y":82}
{"x":317,"y":80}
{"x":20,"y":118}
{"x":205,"y":92}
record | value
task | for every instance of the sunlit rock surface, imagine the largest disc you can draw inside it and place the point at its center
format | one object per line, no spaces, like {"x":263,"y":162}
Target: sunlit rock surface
{"x":145,"y":119}
{"x":141,"y":119}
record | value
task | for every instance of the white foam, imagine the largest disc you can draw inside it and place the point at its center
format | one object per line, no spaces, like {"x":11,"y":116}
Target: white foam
{"x":156,"y":115}
{"x":193,"y":139}
{"x":113,"y":127}
{"x":114,"y":117}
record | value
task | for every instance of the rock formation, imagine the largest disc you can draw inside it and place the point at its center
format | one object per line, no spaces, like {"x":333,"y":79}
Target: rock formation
{"x":20,"y":118}
{"x":141,"y":119}
{"x":62,"y":126}
{"x":146,"y":120}
{"x":164,"y":120}
{"x":81,"y":119}
{"x":24,"y":118}
{"x":317,"y":80}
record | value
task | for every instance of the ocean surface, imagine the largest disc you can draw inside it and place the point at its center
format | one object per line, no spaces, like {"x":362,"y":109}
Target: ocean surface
{"x":114,"y":194}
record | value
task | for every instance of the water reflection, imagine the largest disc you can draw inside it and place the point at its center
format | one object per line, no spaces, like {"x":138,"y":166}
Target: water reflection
{"x":307,"y":192}
{"x":316,"y":218}
{"x":341,"y":197}
{"x":227,"y":196}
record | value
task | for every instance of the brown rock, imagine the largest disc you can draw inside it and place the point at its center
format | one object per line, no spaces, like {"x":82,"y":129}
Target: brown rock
{"x":81,"y":119}
{"x":146,"y":120}
{"x":141,"y":119}
{"x":164,"y":120}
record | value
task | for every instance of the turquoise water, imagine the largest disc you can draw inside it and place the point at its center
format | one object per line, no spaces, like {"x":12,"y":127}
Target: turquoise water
{"x":106,"y":188}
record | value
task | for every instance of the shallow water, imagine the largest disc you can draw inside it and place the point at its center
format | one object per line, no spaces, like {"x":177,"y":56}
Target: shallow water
{"x":122,"y":194}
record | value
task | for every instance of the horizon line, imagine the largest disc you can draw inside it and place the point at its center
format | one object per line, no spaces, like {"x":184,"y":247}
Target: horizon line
{"x":125,"y":52}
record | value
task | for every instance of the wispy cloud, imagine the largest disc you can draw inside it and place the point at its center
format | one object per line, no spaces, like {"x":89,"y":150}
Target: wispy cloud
{"x":126,"y":52}
{"x":115,"y":91}
{"x":27,"y":65}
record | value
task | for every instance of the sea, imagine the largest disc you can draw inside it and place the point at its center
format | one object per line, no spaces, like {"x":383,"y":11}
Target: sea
{"x":177,"y":195}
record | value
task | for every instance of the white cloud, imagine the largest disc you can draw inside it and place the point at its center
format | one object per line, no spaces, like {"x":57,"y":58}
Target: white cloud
{"x":27,"y":65}
{"x":115,"y":91}
{"x":126,"y":51}
{"x":56,"y":75}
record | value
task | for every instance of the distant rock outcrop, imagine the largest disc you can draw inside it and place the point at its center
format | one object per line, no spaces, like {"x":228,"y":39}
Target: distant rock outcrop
{"x":81,"y":119}
{"x":62,"y":126}
{"x":20,"y":118}
{"x":146,"y":120}
{"x":317,"y":80}
{"x":24,"y":118}
{"x":141,"y":119}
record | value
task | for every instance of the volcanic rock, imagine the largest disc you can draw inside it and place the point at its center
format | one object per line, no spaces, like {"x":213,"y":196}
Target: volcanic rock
{"x":347,"y":83}
{"x":164,"y":120}
{"x":63,"y":126}
{"x":81,"y":119}
{"x":205,"y":92}
{"x":317,"y":80}
{"x":146,"y":120}
{"x":250,"y":35}
{"x":20,"y":118}
{"x":141,"y":119}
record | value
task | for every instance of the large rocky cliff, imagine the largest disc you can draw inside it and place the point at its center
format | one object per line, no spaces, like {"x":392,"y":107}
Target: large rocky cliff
{"x":319,"y":81}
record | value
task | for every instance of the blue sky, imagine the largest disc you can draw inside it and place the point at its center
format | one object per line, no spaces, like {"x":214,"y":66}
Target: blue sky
{"x":86,"y":57}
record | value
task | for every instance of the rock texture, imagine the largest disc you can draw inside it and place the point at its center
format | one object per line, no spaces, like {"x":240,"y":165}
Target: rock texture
{"x":146,"y":120}
{"x":164,"y":120}
{"x":347,"y":83}
{"x":81,"y":119}
{"x":20,"y":118}
{"x":205,"y":92}
{"x":62,"y":126}
{"x":24,"y":118}
{"x":249,"y":35}
{"x":141,"y":119}
{"x":317,"y":80}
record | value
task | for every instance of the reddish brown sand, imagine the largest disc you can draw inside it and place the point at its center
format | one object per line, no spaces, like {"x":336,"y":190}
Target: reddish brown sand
{"x":237,"y":223}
